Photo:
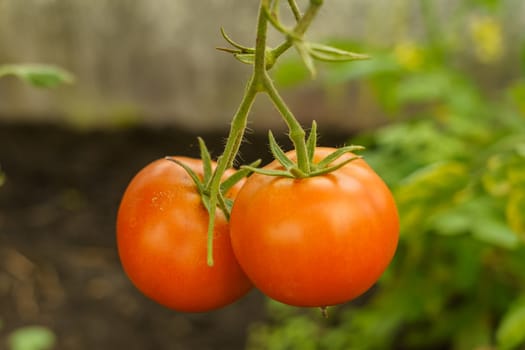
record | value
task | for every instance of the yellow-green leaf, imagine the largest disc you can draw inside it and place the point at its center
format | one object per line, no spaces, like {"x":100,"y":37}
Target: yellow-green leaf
{"x":515,"y":212}
{"x":31,"y":338}
{"x":511,"y":331}
{"x":39,"y":75}
{"x":428,"y":191}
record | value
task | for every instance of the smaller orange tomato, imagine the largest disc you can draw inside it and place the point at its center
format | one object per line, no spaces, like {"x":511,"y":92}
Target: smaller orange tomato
{"x":315,"y":241}
{"x":162,"y":241}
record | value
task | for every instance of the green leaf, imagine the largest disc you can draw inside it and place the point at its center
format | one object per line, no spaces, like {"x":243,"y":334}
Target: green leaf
{"x":517,"y":91}
{"x":495,"y":180}
{"x":424,"y":87}
{"x":428,"y":191}
{"x":453,"y":221}
{"x":515,"y":212}
{"x":479,"y":215}
{"x":38,"y":75}
{"x":511,"y":331}
{"x":31,"y":338}
{"x":493,"y":230}
{"x":475,"y":334}
{"x":491,"y":5}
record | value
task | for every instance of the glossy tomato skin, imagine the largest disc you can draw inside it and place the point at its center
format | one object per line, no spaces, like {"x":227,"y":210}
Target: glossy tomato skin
{"x":316,"y":241}
{"x":162,"y":241}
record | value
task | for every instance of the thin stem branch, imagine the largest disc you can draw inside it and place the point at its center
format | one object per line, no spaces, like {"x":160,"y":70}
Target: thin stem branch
{"x":274,"y":10}
{"x":295,"y":9}
{"x":238,"y":125}
{"x":300,"y":28}
{"x":308,"y":17}
{"x":259,"y":82}
{"x":297,"y":133}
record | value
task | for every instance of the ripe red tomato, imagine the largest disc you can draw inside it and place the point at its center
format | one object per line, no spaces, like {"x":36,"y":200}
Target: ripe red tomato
{"x":315,"y":241}
{"x":162,"y":235}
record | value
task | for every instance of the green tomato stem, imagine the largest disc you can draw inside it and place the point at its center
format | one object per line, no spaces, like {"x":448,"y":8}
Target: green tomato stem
{"x":238,"y":126}
{"x":295,"y":9}
{"x":296,"y":132}
{"x":259,"y":82}
{"x":303,"y":22}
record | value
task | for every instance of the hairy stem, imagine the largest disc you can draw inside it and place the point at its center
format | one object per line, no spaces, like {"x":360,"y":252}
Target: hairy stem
{"x":295,"y":9}
{"x":259,"y":82}
{"x":238,"y":125}
{"x":297,"y":133}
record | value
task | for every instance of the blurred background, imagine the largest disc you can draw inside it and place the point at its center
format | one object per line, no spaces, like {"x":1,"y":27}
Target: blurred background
{"x":440,"y":108}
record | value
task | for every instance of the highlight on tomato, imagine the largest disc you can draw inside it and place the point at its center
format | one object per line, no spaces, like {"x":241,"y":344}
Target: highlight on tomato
{"x":315,"y":241}
{"x":162,"y":239}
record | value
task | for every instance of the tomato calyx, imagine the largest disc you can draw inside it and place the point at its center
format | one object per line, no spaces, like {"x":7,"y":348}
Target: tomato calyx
{"x":204,"y":189}
{"x":203,"y":185}
{"x":292,"y":169}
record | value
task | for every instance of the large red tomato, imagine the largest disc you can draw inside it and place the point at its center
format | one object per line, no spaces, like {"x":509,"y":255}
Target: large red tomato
{"x":315,"y":241}
{"x":162,"y":235}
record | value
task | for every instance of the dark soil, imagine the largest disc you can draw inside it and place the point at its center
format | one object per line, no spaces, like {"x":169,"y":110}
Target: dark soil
{"x":58,"y":261}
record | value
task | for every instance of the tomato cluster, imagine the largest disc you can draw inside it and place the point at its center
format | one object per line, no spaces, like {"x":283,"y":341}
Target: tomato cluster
{"x":313,"y":241}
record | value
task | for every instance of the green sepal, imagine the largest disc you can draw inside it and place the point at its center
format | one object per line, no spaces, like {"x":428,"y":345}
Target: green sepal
{"x":269,"y":172}
{"x":278,"y":153}
{"x":297,"y":173}
{"x":206,"y":202}
{"x":241,"y":48}
{"x":311,"y":142}
{"x":224,"y":206}
{"x":190,"y":172}
{"x":227,"y":49}
{"x":229,"y":205}
{"x":306,"y":57}
{"x":337,"y":154}
{"x":332,"y":54}
{"x":247,"y":58}
{"x":324,"y":171}
{"x":206,"y":159}
{"x":227,"y":184}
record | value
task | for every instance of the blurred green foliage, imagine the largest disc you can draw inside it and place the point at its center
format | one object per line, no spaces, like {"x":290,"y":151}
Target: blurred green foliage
{"x":455,"y":160}
{"x":29,"y":338}
{"x":37,"y":75}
